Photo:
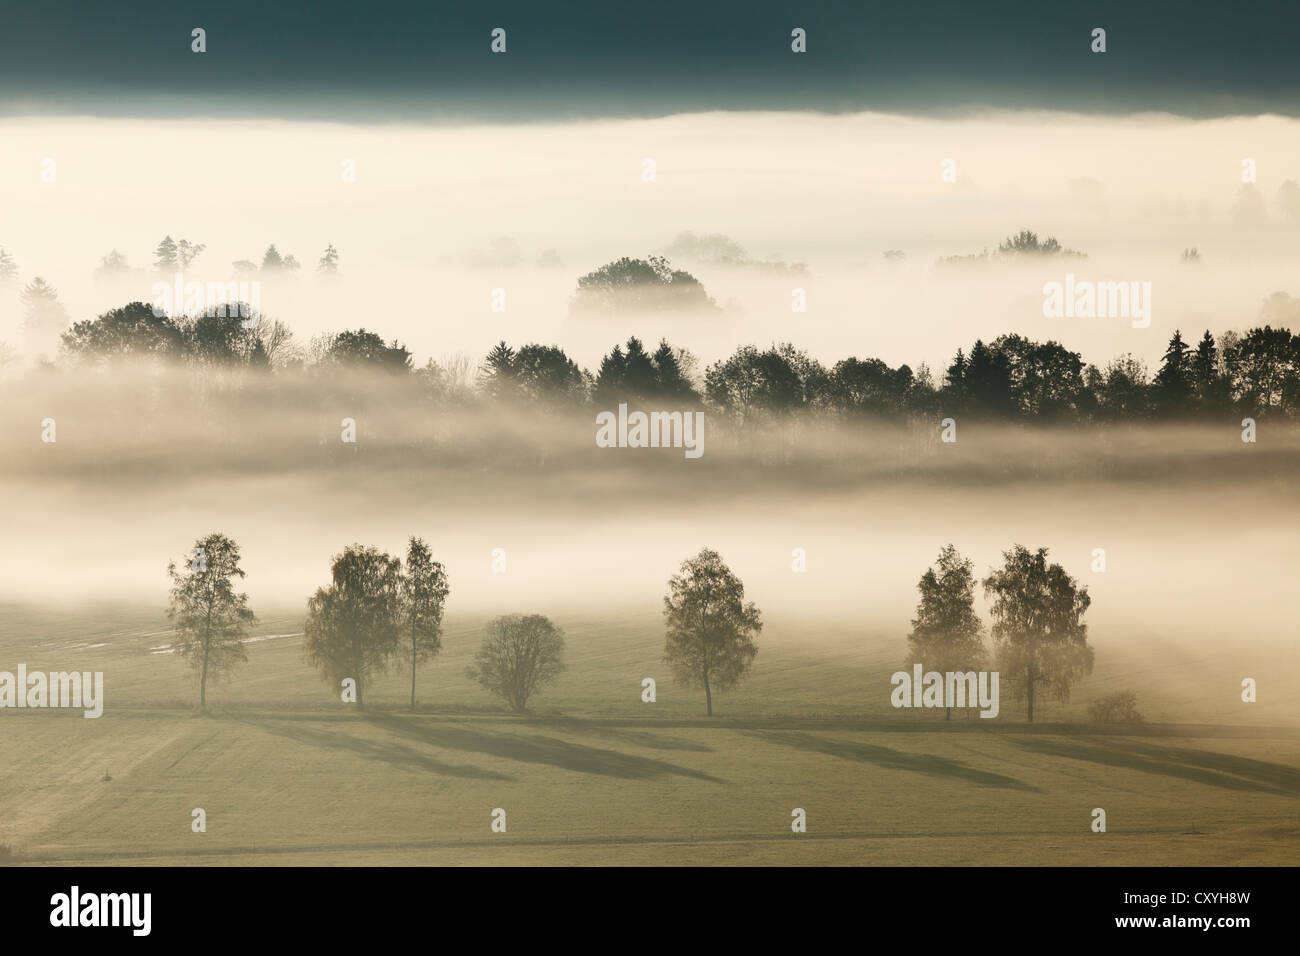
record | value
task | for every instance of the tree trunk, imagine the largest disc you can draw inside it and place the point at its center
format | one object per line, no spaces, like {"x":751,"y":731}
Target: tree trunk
{"x":1031,"y":699}
{"x":947,"y":713}
{"x":203,"y":683}
{"x":360,"y":705}
{"x":708,"y":699}
{"x":412,"y":676}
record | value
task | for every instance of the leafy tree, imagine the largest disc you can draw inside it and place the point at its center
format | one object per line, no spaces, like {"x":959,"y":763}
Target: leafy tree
{"x":520,"y":655}
{"x":710,"y":628}
{"x":271,"y":259}
{"x":424,"y":592}
{"x":1266,"y":369}
{"x":362,"y":349}
{"x":1121,"y":390}
{"x":751,"y":383}
{"x":640,"y":285}
{"x":329,"y":261}
{"x":1120,"y":707}
{"x":544,"y":373}
{"x":132,"y":330}
{"x":1044,"y":379}
{"x":946,"y":632}
{"x":291,"y":263}
{"x":353,"y":626}
{"x":187,"y":252}
{"x":1038,"y":632}
{"x":210,"y":618}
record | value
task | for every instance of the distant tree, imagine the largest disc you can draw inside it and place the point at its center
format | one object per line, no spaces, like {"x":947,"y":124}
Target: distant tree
{"x":210,"y":618}
{"x":549,"y":259}
{"x":353,"y":627}
{"x":362,"y":349}
{"x":187,"y":252}
{"x":640,"y":285}
{"x":520,"y":655}
{"x":271,"y":260}
{"x":8,"y":268}
{"x":497,"y":374}
{"x":112,"y":264}
{"x":544,"y":373}
{"x":1044,"y":379}
{"x":1266,"y":369}
{"x":329,"y":261}
{"x":165,"y":256}
{"x":710,"y":628}
{"x":750,"y":384}
{"x":1119,"y":707}
{"x":1026,"y":242}
{"x":1191,"y":256}
{"x":672,"y":368}
{"x":291,"y":264}
{"x":424,"y":592}
{"x":946,"y":632}
{"x":1038,"y":631}
{"x":45,"y":318}
{"x":1174,"y":381}
{"x":1121,"y":391}
{"x":134,"y":329}
{"x":244,"y":267}
{"x":1208,"y":385}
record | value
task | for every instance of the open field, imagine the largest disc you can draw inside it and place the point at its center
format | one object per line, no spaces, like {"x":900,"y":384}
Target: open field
{"x":287,"y":776}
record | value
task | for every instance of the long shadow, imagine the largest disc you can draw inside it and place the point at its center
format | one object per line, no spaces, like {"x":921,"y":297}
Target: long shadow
{"x":534,"y":748}
{"x":651,"y":741}
{"x":396,"y":755}
{"x":893,"y":759}
{"x":1201,"y":766}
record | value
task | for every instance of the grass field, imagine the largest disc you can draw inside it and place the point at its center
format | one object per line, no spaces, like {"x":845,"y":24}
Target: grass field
{"x":288,"y":776}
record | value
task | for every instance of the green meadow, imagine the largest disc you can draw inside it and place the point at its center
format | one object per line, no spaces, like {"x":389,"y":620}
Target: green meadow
{"x":288,"y":775}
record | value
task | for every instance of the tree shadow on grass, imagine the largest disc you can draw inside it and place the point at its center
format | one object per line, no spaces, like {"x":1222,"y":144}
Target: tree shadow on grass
{"x":534,"y":748}
{"x":893,"y":759}
{"x":651,"y":740}
{"x":1201,"y":766}
{"x":394,"y":754}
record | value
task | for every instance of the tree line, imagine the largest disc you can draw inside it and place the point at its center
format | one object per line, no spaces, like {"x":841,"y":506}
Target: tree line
{"x":379,"y":610}
{"x":1011,"y":378}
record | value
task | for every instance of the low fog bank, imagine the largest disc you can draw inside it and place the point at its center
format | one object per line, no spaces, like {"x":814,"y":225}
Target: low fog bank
{"x":1199,"y":529}
{"x":435,"y":220}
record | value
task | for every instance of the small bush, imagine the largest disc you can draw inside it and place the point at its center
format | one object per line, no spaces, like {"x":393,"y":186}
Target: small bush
{"x":1117,"y":708}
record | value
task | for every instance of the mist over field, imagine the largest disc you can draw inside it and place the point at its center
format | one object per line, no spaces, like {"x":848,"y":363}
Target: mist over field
{"x":446,"y":223}
{"x":439,"y":217}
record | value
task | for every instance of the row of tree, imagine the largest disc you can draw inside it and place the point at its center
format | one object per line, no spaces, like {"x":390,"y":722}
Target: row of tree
{"x":378,"y":610}
{"x":1039,"y":640}
{"x":1010,"y":378}
{"x":175,"y":255}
